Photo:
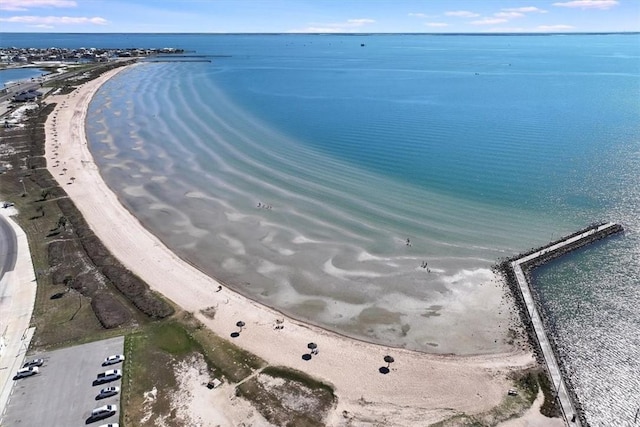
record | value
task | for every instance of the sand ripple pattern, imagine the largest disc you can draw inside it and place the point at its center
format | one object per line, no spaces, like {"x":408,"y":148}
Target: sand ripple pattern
{"x":473,"y":147}
{"x":292,"y":226}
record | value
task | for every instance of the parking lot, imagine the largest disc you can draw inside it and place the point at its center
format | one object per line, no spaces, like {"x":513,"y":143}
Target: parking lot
{"x":63,"y":394}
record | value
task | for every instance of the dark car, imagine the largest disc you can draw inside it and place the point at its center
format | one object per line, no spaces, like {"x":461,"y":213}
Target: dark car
{"x":34,"y":362}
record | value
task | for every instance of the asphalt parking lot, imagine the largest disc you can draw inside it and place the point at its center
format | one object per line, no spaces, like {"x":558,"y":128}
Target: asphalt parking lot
{"x":63,"y":394}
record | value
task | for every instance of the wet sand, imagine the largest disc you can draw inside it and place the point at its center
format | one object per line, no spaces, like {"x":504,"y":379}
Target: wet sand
{"x":420,"y":386}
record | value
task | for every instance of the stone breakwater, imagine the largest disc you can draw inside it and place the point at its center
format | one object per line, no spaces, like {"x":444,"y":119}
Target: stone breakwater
{"x":517,"y":272}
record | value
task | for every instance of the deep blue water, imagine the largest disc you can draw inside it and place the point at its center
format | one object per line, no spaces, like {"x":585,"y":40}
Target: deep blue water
{"x":475,"y":147}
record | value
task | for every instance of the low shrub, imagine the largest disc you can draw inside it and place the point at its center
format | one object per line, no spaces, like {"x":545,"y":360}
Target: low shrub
{"x":109,"y":311}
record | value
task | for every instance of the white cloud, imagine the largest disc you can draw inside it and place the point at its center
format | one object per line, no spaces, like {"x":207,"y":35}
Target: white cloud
{"x":525,"y":9}
{"x":436,"y":24}
{"x":55,"y":20}
{"x":589,"y":4}
{"x":417,"y":15}
{"x":517,"y":12}
{"x":349,"y":26}
{"x":462,"y":14}
{"x":506,"y":30}
{"x":508,"y":15}
{"x":321,"y":30}
{"x":558,"y":27}
{"x":489,"y":21}
{"x":22,"y":5}
{"x":358,"y":22}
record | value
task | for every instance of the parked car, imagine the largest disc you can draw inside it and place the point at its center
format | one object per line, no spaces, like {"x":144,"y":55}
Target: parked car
{"x":26,"y":372}
{"x":110,"y":375}
{"x":104,"y":411}
{"x":116,"y":358}
{"x":108,"y":391}
{"x":110,"y":425}
{"x":34,"y":362}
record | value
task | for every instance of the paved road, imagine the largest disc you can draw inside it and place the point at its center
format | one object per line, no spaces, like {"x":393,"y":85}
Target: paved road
{"x":18,"y":287}
{"x":8,"y":252}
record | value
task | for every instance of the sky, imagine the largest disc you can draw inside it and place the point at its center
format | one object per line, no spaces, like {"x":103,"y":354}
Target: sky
{"x":318,"y":16}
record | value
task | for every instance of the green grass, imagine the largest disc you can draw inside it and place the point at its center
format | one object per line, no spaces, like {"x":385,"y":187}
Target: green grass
{"x":172,"y":338}
{"x":225,"y":358}
{"x":147,"y":365}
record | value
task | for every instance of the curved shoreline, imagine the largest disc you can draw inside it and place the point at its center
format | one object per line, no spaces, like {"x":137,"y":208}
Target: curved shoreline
{"x":433,"y":386}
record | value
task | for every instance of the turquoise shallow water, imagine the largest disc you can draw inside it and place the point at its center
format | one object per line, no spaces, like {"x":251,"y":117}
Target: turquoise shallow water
{"x":474,"y":147}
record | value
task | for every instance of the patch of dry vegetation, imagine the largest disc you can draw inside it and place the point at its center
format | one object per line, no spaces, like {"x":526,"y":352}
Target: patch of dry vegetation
{"x":83,"y":292}
{"x":286,"y":397}
{"x":526,"y":383}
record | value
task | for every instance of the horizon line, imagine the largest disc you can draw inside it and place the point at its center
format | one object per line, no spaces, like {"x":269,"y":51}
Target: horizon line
{"x":344,"y":34}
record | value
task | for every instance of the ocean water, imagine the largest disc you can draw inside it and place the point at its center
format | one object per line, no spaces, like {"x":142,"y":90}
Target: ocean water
{"x":295,"y":167}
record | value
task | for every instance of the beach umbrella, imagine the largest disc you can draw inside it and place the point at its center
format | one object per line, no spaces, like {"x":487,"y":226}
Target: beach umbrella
{"x":240,"y":324}
{"x":313,"y":347}
{"x":389,"y":360}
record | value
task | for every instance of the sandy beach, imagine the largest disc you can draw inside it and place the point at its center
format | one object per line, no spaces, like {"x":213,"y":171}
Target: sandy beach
{"x":419,"y":390}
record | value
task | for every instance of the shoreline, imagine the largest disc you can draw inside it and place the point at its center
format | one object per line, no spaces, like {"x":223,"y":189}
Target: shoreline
{"x":450,"y":385}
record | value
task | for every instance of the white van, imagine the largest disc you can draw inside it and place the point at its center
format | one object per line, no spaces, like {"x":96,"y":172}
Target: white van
{"x":104,"y":411}
{"x":110,"y":375}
